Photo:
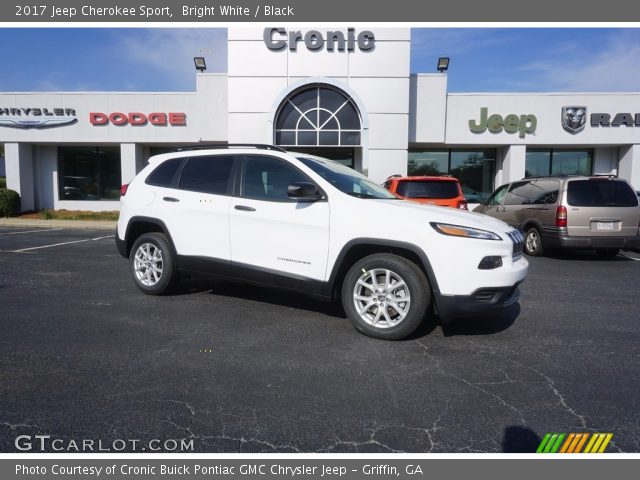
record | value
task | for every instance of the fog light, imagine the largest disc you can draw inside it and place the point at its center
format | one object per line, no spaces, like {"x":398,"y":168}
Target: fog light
{"x":491,"y":262}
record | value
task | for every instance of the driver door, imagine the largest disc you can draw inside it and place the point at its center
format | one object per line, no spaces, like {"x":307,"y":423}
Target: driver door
{"x":273,"y":236}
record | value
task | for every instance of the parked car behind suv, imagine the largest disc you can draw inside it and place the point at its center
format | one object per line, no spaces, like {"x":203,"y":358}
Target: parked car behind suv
{"x":600,"y":213}
{"x":262,"y":215}
{"x":441,"y":191}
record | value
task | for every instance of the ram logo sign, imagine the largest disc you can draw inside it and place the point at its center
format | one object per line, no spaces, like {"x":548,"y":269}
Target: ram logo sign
{"x":574,"y":119}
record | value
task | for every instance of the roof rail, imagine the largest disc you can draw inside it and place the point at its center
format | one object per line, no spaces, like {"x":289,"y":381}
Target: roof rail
{"x":212,"y":146}
{"x":555,"y":176}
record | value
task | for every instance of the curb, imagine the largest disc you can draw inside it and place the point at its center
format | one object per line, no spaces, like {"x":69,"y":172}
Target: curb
{"x":71,"y":224}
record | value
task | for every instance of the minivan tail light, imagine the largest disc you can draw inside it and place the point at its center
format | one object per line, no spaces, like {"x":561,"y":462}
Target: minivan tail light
{"x":123,"y":189}
{"x":561,"y":216}
{"x":462,"y":205}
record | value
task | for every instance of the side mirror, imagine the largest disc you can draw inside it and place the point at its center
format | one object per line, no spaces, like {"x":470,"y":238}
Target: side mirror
{"x":303,"y":191}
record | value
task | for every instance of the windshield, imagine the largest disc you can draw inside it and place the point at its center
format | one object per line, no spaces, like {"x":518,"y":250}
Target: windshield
{"x":428,"y":189}
{"x":346,"y":179}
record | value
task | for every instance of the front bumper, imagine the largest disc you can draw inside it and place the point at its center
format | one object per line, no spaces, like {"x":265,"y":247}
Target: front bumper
{"x":481,"y":301}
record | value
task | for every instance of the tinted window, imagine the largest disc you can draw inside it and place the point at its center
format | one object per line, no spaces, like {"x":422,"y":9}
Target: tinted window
{"x":428,"y":189}
{"x":544,"y":192}
{"x":207,"y":174}
{"x":89,"y":173}
{"x":519,"y":194}
{"x":601,"y":193}
{"x":268,"y":178}
{"x":163,"y":174}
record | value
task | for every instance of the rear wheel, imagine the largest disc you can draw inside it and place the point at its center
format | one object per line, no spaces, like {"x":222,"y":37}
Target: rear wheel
{"x":386,"y":296}
{"x":153,"y":264}
{"x":533,"y":243}
{"x":608,"y":253}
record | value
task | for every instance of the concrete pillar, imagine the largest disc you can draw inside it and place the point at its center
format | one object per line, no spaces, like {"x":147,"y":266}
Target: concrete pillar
{"x":384,"y":163}
{"x":19,"y":169}
{"x":513,"y":163}
{"x":131,"y":161}
{"x":629,"y":165}
{"x":46,"y":176}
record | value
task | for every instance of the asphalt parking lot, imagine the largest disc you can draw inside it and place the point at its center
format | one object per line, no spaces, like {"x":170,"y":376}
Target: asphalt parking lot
{"x":85,"y":355}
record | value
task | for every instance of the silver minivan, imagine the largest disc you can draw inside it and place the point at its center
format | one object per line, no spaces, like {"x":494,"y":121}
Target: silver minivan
{"x":600,"y":213}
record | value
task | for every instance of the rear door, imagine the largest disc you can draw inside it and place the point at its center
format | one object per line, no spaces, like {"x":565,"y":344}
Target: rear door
{"x":601,"y":207}
{"x":543,"y":196}
{"x":197,"y":212}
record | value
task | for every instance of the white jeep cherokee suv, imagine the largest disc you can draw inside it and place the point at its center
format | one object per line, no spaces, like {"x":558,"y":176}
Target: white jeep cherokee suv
{"x":258,"y":214}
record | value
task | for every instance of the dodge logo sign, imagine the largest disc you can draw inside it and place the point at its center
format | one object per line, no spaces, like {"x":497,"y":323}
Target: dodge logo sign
{"x":574,"y":119}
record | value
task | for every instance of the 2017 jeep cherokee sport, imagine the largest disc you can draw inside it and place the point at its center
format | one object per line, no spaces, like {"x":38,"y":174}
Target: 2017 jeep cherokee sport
{"x":260,"y":214}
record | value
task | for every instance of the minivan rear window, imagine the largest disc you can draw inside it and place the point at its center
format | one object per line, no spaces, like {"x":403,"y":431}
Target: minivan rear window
{"x":428,"y":189}
{"x":600,"y":193}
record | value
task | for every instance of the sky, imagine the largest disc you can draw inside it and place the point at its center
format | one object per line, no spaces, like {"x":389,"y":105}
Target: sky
{"x":482,"y":59}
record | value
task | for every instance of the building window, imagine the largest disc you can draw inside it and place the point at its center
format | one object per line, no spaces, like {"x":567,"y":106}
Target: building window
{"x":89,"y":173}
{"x":318,"y":116}
{"x":475,"y":169}
{"x":549,"y":161}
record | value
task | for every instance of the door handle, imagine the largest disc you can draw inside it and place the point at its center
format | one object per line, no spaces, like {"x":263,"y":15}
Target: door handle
{"x":170,"y":199}
{"x":244,"y":208}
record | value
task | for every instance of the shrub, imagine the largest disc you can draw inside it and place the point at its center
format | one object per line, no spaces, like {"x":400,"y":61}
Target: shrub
{"x":3,"y":182}
{"x":47,"y":214}
{"x":9,"y":202}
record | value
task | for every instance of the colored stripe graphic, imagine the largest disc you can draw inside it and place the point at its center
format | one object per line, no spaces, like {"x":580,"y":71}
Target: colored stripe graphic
{"x":553,"y":442}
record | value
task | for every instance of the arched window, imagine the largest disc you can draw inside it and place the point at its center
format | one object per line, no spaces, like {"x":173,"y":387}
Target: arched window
{"x":318,"y":116}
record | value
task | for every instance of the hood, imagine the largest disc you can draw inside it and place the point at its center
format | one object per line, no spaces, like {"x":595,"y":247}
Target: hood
{"x":432,"y":213}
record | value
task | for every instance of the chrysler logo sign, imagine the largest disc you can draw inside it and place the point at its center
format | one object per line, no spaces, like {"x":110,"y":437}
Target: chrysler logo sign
{"x":574,"y":118}
{"x":28,"y":118}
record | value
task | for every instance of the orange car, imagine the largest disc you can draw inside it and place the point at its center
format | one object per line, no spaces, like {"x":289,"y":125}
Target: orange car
{"x":442,"y":191}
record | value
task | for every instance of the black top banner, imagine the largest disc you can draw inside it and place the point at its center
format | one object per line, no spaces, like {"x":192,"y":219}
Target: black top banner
{"x":319,"y":11}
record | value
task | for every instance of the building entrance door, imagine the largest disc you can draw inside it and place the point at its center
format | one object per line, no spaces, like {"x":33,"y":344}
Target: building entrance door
{"x":346,"y":156}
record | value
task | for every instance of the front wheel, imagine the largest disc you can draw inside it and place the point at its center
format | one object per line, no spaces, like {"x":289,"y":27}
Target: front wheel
{"x":153,"y":264}
{"x":386,"y":296}
{"x":533,"y":243}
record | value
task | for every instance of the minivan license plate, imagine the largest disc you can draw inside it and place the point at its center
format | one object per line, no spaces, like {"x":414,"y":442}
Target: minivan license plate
{"x":607,"y":226}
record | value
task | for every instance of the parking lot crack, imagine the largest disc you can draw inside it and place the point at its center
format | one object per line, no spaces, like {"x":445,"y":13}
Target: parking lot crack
{"x":475,"y":386}
{"x":551,"y":384}
{"x":15,"y":426}
{"x":249,"y":440}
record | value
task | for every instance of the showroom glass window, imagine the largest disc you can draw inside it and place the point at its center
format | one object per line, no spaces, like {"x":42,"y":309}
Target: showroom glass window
{"x":475,"y":169}
{"x":549,"y":161}
{"x":318,"y":116}
{"x":89,"y":173}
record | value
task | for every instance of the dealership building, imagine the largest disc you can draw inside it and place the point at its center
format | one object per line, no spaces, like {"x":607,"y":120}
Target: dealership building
{"x":343,"y":93}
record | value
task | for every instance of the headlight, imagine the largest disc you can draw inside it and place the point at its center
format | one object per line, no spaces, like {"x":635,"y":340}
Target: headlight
{"x":459,"y":231}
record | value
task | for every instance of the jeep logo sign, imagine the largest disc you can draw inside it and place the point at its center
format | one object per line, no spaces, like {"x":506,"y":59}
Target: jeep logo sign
{"x":511,"y":123}
{"x":277,"y":39}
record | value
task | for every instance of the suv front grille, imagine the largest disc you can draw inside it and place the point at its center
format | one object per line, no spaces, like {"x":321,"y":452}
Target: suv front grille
{"x":518,"y":244}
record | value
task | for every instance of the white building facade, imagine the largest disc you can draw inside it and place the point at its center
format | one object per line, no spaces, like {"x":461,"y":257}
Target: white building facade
{"x":343,"y":93}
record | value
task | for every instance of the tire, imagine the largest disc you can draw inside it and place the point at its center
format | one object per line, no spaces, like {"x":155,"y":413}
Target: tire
{"x":365,"y":310}
{"x":608,"y":253}
{"x":153,"y":263}
{"x":533,"y":243}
